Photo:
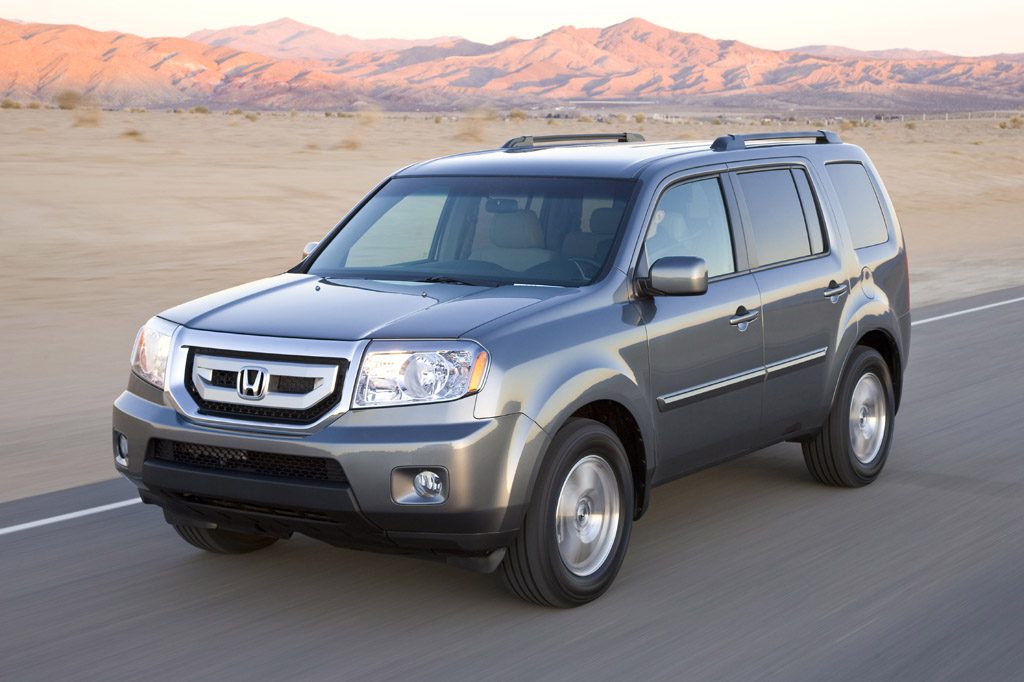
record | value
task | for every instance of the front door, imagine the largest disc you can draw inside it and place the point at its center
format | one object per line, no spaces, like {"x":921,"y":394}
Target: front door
{"x":707,"y":364}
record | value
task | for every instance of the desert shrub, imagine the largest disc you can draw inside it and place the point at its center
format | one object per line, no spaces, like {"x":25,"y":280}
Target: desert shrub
{"x":640,"y":118}
{"x":132,"y":134}
{"x":9,"y":103}
{"x":471,"y":129}
{"x":87,"y":119}
{"x":68,"y":99}
{"x":368,"y":117}
{"x":1016,"y":122}
{"x":586,"y":119}
{"x":911,"y":126}
{"x":235,"y":112}
{"x":199,"y":110}
{"x":348,"y":143}
{"x":252,"y":116}
{"x":33,"y":105}
{"x":517,"y":115}
{"x":437,"y":119}
{"x":328,"y":114}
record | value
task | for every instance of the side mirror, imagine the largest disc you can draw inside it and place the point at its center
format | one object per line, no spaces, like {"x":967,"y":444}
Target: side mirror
{"x":678,"y":276}
{"x":308,"y":249}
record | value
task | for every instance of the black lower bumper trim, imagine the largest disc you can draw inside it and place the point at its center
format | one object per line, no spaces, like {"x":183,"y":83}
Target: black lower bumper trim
{"x":324,"y":511}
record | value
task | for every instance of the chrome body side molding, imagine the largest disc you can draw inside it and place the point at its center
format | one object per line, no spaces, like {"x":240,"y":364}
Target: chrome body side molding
{"x":672,"y":400}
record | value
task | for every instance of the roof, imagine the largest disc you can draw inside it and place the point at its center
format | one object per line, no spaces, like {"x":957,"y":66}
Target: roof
{"x":626,"y":158}
{"x":614,"y":160}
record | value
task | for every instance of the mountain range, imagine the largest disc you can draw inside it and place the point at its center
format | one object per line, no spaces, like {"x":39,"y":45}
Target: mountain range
{"x":286,"y":64}
{"x":290,"y":39}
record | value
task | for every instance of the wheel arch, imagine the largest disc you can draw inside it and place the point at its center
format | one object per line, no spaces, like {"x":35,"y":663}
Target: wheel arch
{"x":612,"y":399}
{"x":883,"y":342}
{"x":619,"y":419}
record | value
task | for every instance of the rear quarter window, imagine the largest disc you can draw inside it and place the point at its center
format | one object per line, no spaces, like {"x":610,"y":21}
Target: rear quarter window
{"x":859,"y":204}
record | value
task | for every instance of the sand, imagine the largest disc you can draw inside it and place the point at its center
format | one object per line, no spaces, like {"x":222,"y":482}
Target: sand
{"x":105,"y":223}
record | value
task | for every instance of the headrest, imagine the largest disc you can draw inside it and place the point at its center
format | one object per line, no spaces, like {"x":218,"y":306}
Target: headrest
{"x":517,"y":230}
{"x":605,"y":220}
{"x":673,"y":224}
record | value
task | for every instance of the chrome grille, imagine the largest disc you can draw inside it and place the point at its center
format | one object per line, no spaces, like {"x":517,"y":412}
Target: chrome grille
{"x":300,"y":390}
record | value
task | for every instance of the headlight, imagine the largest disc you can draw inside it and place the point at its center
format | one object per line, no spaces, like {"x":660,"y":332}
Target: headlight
{"x":152,"y":348}
{"x":409,"y":372}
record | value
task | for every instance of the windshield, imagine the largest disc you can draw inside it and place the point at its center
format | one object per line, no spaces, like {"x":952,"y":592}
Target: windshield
{"x":481,"y":230}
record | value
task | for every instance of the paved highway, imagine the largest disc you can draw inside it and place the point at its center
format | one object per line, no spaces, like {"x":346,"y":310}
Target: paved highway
{"x":749,"y":570}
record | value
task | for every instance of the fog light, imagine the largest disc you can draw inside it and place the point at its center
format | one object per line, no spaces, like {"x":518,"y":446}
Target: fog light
{"x":419,"y":485}
{"x":121,"y":455}
{"x":427,"y":484}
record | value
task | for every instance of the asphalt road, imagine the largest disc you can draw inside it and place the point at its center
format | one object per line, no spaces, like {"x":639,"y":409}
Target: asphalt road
{"x":749,"y":570}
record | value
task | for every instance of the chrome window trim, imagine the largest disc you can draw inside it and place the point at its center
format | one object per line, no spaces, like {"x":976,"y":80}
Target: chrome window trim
{"x":185,"y":339}
{"x":671,"y":400}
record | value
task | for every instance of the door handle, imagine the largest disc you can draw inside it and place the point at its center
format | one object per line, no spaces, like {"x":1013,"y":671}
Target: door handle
{"x":743,"y":318}
{"x":834,"y":290}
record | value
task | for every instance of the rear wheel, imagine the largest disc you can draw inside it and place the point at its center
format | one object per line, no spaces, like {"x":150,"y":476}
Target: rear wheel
{"x":577,"y":527}
{"x":852,"y":446}
{"x":222,"y":541}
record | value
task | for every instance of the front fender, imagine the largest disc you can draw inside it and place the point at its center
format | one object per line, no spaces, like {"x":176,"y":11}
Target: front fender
{"x":550,"y":370}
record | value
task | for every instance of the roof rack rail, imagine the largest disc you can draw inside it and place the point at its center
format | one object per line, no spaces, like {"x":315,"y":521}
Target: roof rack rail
{"x":529,"y":141}
{"x":728,"y":143}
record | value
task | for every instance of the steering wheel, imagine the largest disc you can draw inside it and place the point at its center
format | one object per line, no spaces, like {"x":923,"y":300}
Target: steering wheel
{"x":588,"y":267}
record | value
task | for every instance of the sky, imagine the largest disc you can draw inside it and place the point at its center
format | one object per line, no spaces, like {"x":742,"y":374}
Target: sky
{"x":965,"y":28}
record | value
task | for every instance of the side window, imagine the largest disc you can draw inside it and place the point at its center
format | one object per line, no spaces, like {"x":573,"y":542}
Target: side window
{"x":812,"y":216}
{"x":777,"y":215}
{"x":859,"y":203}
{"x":690,"y":220}
{"x":405,"y":232}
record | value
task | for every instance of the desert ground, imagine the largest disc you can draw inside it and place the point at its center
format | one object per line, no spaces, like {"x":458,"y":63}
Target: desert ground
{"x":106,"y":218}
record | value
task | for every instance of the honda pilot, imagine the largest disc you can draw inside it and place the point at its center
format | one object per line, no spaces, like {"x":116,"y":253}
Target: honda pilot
{"x":495,"y":356}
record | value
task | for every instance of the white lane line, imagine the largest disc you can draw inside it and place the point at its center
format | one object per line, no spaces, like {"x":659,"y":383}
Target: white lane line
{"x":68,"y":517}
{"x":125,"y":503}
{"x":965,"y":312}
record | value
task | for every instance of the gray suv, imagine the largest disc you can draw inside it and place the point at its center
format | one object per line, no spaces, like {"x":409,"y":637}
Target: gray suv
{"x":494,"y":357}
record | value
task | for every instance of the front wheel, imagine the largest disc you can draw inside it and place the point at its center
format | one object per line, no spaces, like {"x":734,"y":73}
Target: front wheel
{"x":577,"y":527}
{"x":852,"y":446}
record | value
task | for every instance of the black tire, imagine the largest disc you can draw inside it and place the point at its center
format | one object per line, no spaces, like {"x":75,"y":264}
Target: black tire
{"x":831,"y":456}
{"x":222,"y":541}
{"x":533,"y":567}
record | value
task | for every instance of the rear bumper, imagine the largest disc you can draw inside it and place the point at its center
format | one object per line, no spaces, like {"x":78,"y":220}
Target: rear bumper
{"x":483,"y":458}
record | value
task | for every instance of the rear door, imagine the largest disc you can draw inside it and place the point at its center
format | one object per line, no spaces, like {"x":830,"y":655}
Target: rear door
{"x":706,"y":353}
{"x":800,"y":275}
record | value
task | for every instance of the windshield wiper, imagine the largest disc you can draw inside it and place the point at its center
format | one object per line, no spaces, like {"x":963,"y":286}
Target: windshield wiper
{"x":446,"y":279}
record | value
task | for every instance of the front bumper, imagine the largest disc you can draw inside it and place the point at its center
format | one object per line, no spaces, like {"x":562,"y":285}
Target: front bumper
{"x":489,"y":463}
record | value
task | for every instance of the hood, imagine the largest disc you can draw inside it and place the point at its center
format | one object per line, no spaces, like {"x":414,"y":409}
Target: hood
{"x":308,"y":307}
